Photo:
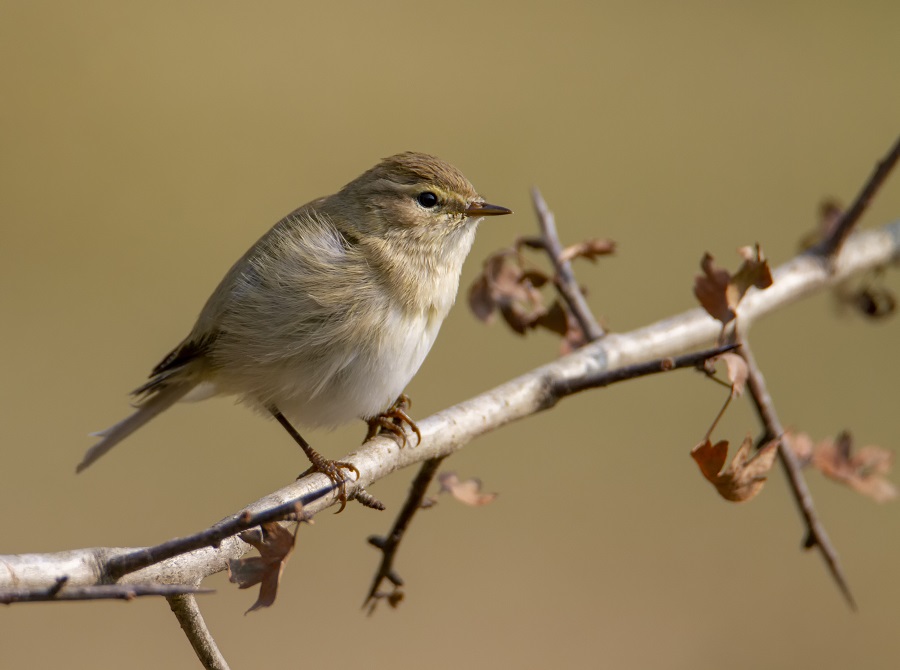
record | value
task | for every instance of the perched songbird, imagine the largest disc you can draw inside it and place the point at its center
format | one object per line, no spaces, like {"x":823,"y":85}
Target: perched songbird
{"x":330,"y":314}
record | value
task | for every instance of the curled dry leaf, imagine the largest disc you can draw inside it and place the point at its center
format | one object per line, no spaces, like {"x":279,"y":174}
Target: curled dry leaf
{"x":754,"y":271}
{"x":802,"y":445}
{"x":556,"y":319}
{"x":737,"y":371}
{"x":746,"y":474}
{"x":505,"y":286}
{"x":719,"y":292}
{"x":589,"y":249}
{"x":274,"y":544}
{"x":466,"y":491}
{"x":864,"y":470}
{"x":710,"y":289}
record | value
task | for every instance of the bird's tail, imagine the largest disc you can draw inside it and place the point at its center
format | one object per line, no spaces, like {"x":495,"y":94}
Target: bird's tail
{"x":158,"y":401}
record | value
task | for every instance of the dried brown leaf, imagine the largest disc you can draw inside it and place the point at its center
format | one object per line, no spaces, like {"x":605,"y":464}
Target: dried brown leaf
{"x":531,"y":242}
{"x":720,"y":293}
{"x":710,"y":289}
{"x":466,"y":491}
{"x":536,"y":278}
{"x":746,"y":474}
{"x":802,"y":445}
{"x":754,"y":271}
{"x":554,"y":319}
{"x":737,"y":370}
{"x":481,"y":302}
{"x":863,"y":470}
{"x":589,"y":249}
{"x":274,"y":544}
{"x":505,"y":287}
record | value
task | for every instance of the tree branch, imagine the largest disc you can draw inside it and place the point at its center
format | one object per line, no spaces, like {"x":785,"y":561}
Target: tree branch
{"x":60,"y":591}
{"x":188,"y":614}
{"x":451,"y":429}
{"x":565,"y":278}
{"x":852,"y":215}
{"x":815,"y":530}
{"x":389,"y":544}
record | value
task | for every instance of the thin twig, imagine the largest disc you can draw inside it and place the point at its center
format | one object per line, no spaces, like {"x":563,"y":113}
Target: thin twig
{"x":194,"y":627}
{"x":117,"y":566}
{"x":565,"y":278}
{"x":389,"y":544}
{"x":60,"y":592}
{"x":815,"y":531}
{"x":564,"y":387}
{"x":851,"y":216}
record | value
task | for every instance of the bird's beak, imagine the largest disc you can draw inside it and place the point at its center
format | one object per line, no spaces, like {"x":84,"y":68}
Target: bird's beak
{"x":484,"y":209}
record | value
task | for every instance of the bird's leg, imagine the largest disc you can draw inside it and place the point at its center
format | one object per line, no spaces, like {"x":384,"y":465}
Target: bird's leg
{"x":393,"y":420}
{"x":331,"y":469}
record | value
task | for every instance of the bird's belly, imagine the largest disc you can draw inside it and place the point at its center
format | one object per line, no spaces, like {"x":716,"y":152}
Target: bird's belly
{"x":345,"y":381}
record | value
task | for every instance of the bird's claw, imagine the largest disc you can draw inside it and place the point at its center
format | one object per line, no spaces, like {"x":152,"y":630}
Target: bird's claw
{"x":393,"y":421}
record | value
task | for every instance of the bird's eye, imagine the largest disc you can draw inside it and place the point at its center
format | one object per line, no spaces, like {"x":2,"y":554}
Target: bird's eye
{"x":427,"y":199}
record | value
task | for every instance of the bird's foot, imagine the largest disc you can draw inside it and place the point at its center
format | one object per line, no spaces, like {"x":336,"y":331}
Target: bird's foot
{"x":393,"y":421}
{"x":332,"y":470}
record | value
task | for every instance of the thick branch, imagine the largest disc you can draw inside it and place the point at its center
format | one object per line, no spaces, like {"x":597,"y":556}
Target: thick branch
{"x":60,"y":592}
{"x":450,"y":430}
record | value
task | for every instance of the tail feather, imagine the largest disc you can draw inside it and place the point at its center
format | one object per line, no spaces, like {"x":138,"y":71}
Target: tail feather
{"x":161,"y":400}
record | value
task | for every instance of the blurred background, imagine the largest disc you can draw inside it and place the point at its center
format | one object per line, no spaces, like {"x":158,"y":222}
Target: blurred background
{"x":145,"y":146}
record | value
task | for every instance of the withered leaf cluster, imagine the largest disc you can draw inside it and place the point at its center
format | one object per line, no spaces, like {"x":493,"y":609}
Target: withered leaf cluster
{"x":719,"y":291}
{"x":744,"y":477}
{"x":274,"y":544}
{"x":510,"y":286}
{"x":868,"y":297}
{"x":467,"y":491}
{"x":864,"y":470}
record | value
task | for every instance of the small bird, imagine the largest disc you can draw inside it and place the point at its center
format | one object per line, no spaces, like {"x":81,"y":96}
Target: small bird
{"x":330,"y":314}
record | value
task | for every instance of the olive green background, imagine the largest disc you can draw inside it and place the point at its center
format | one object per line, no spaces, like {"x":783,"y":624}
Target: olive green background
{"x":145,"y":146}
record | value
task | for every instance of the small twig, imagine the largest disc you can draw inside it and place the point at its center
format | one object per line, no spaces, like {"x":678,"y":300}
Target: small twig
{"x":565,"y":278}
{"x":851,"y":216}
{"x":117,"y":566}
{"x":59,"y":591}
{"x":389,"y":544}
{"x":719,"y":416}
{"x":368,"y":500}
{"x":815,"y":531}
{"x":561,"y":388}
{"x":192,"y":623}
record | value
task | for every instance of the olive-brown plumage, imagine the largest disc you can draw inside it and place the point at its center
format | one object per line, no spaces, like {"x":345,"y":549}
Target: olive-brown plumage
{"x":330,"y":314}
